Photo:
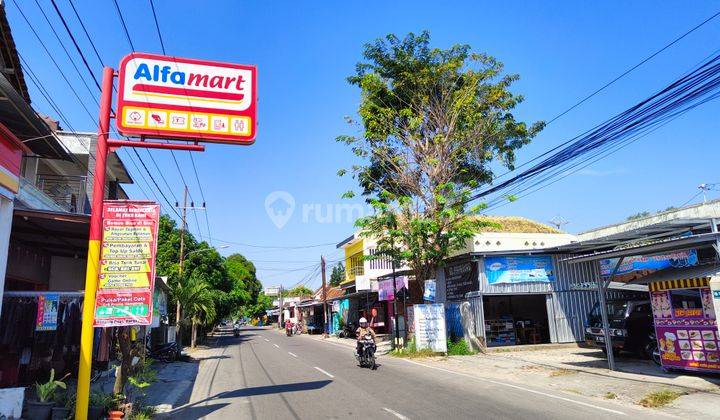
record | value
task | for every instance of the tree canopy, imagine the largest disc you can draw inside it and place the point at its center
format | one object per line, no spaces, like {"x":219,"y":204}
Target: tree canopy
{"x":433,"y":121}
{"x":337,"y":275}
{"x":230,"y":282}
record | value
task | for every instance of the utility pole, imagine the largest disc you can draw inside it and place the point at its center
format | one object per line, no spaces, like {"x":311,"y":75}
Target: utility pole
{"x":395,"y":297}
{"x":280,"y":308}
{"x":324,"y":297}
{"x":558,"y":222}
{"x":181,"y":265}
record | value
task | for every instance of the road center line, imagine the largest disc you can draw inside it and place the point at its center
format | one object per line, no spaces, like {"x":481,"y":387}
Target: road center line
{"x":266,"y":340}
{"x":544,"y":394}
{"x":292,"y":354}
{"x":324,"y":372}
{"x":396,"y":414}
{"x":276,"y":345}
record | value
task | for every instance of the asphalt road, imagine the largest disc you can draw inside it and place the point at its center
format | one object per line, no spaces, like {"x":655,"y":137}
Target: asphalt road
{"x":266,"y":375}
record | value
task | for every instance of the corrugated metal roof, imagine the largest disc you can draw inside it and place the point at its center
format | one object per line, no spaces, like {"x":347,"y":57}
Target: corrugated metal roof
{"x":682,"y":273}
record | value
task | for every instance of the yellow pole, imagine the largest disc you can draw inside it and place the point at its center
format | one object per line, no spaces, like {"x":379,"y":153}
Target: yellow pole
{"x":93,"y":257}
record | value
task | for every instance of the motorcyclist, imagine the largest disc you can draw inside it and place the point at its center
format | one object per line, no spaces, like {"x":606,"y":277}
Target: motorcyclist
{"x":360,"y":333}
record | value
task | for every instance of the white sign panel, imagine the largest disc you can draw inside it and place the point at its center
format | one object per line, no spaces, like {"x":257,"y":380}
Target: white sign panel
{"x":272,"y":291}
{"x":429,"y":323}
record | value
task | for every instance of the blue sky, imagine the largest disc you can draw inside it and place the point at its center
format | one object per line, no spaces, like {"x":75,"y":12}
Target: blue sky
{"x":304,"y":52}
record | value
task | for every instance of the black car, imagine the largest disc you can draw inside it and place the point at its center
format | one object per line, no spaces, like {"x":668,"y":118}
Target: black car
{"x":631,"y":327}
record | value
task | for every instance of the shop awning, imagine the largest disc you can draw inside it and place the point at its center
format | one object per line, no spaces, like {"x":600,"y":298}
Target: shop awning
{"x":62,"y":234}
{"x":669,"y":245}
{"x":682,"y":275}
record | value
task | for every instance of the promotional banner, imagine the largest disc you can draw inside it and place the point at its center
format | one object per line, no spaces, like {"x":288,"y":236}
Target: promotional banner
{"x":385,"y":287}
{"x":519,"y":269}
{"x":637,"y":266}
{"x":429,"y":326}
{"x":686,"y":329}
{"x":429,"y":293}
{"x":461,"y":279}
{"x":47,"y":312}
{"x":127,"y":263}
{"x":171,"y":97}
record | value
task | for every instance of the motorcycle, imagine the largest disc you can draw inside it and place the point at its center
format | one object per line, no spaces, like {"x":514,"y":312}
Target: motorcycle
{"x":288,"y":328}
{"x":366,"y":356}
{"x":167,"y":353}
{"x":347,"y":331}
{"x":236,"y":331}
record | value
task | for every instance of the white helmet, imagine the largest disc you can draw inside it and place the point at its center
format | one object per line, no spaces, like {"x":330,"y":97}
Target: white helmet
{"x":363,"y":321}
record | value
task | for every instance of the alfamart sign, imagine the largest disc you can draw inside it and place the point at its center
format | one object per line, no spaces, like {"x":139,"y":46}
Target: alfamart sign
{"x":171,"y":97}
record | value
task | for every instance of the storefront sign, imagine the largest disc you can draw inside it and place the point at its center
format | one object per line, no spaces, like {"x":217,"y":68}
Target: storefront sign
{"x":429,"y":293}
{"x":47,"y":312}
{"x":162,"y":96}
{"x":429,"y":325}
{"x":127,"y":264}
{"x":646,"y":264}
{"x":10,"y":161}
{"x":385,"y":287}
{"x":519,"y":269}
{"x":460,"y":279}
{"x":686,"y":329}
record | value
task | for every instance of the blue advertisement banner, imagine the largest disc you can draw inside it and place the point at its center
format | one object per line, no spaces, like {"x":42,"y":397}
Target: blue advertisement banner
{"x":519,"y":269}
{"x":651,"y":263}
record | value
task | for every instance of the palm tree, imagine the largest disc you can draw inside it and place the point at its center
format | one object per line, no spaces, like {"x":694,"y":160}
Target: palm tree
{"x":196,"y":299}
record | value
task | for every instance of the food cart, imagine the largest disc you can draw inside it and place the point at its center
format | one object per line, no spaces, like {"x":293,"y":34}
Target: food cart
{"x":685,"y":320}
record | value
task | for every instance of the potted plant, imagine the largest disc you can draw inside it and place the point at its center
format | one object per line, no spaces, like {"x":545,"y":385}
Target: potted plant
{"x":115,"y":407}
{"x":42,"y":408}
{"x":99,"y":401}
{"x":64,"y":406}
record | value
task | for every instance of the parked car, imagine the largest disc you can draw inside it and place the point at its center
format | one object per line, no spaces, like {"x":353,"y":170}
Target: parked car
{"x":631,"y":327}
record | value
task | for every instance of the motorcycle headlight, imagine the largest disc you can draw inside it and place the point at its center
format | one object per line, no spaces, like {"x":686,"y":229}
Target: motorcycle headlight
{"x":588,"y":330}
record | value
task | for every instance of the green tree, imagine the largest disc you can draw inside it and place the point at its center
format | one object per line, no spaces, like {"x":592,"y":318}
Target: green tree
{"x":257,"y":308}
{"x":639,"y":215}
{"x":432,"y":123}
{"x":337,"y":275}
{"x":298,"y":291}
{"x":198,"y":303}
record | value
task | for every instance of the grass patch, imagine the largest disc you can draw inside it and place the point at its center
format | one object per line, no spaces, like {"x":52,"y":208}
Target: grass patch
{"x":562,"y":372}
{"x":458,"y":348}
{"x":660,"y":398}
{"x":572,"y":390}
{"x":610,"y":396}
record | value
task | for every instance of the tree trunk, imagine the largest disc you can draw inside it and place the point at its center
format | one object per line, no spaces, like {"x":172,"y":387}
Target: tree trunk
{"x":123,"y":373}
{"x":194,"y":334}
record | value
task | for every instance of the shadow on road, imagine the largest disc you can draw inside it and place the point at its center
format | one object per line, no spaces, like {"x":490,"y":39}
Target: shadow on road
{"x":191,"y":412}
{"x":195,"y":411}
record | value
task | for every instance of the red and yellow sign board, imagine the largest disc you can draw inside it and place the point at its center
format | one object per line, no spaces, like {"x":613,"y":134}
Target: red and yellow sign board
{"x":127,"y":263}
{"x":11,"y":151}
{"x":171,"y":97}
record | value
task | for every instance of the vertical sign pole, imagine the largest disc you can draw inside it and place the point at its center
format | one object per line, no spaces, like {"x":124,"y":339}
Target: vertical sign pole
{"x":94,"y":245}
{"x":324,"y":298}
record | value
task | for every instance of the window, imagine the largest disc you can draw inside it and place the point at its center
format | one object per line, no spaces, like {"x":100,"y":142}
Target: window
{"x":686,"y":299}
{"x":686,"y":303}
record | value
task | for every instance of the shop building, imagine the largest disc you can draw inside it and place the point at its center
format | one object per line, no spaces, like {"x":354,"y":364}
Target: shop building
{"x":518,"y":285}
{"x":362,"y":285}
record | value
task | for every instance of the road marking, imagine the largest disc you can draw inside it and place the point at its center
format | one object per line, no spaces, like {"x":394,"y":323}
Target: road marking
{"x":396,"y":414}
{"x":292,"y":354}
{"x":276,"y":345}
{"x":266,"y":340}
{"x":597,"y":407}
{"x":324,"y":372}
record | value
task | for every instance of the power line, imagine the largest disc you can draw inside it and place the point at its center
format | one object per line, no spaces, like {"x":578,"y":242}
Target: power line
{"x":67,"y":53}
{"x":77,"y":47}
{"x":82,"y":25}
{"x":631,"y":69}
{"x":122,"y":21}
{"x":192,"y":159}
{"x":625,"y":73}
{"x":274,"y":246}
